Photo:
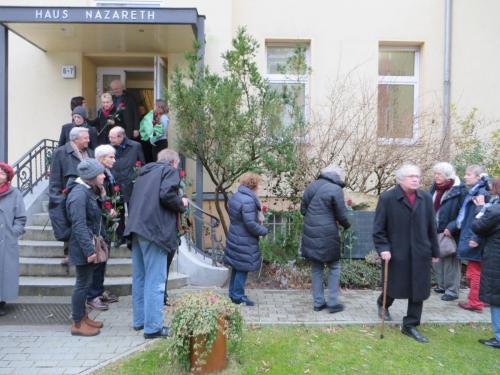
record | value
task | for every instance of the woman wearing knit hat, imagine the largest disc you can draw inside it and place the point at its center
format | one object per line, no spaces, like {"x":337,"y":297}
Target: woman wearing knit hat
{"x":12,"y":222}
{"x":84,"y":213}
{"x":79,"y":115}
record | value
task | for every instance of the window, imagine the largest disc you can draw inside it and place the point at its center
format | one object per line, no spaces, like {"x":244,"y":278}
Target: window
{"x":278,"y":226}
{"x":398,"y":95}
{"x":294,"y":83}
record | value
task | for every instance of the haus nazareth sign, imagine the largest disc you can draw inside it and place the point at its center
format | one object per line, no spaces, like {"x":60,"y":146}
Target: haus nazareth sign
{"x":41,"y":14}
{"x":97,"y":14}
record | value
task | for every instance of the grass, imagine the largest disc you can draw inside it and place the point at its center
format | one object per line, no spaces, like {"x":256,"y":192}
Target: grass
{"x":453,"y":349}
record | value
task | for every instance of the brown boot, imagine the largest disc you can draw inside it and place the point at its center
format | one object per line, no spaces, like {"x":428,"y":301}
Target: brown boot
{"x":82,"y":329}
{"x":92,"y":323}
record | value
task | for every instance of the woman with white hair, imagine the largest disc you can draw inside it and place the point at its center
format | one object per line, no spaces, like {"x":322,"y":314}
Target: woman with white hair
{"x":448,"y":193}
{"x":97,"y":297}
{"x":108,"y":116}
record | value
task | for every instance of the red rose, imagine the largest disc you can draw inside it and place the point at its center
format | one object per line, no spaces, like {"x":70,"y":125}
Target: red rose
{"x":116,"y":188}
{"x":349,"y":202}
{"x":122,"y":105}
{"x":264,"y":209}
{"x":182,"y":173}
{"x":108,"y":205}
{"x":65,"y":191}
{"x":138,"y":164}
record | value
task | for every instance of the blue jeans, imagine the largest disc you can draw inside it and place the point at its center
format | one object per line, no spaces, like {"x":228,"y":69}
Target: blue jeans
{"x":333,"y":283}
{"x":237,"y":284}
{"x":97,"y":287}
{"x":495,"y":321}
{"x":83,"y":281}
{"x":149,"y":272}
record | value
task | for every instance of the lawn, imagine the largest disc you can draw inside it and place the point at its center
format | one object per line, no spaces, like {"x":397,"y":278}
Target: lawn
{"x":453,"y":349}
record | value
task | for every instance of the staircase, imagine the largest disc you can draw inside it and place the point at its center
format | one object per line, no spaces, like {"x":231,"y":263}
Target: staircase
{"x":41,"y":272}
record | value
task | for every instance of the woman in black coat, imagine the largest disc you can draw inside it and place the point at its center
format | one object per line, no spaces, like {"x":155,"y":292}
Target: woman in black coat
{"x":323,"y":208}
{"x":488,"y":227}
{"x":108,"y":116}
{"x":448,"y":193}
{"x":242,"y":251}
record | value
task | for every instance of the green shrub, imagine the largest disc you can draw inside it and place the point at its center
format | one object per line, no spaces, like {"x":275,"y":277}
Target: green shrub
{"x":358,"y":274}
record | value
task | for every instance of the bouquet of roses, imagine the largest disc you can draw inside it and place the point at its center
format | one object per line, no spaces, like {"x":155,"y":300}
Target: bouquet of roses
{"x":116,"y":117}
{"x":137,"y":169}
{"x":112,"y":208}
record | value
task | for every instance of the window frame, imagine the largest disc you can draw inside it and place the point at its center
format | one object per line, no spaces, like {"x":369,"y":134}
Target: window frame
{"x":403,"y":80}
{"x":277,"y":78}
{"x":128,"y":3}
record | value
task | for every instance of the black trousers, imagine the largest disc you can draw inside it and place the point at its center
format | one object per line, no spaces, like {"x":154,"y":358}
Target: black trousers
{"x":170,"y":258}
{"x":413,"y":311}
{"x":159,"y":145}
{"x":97,"y":287}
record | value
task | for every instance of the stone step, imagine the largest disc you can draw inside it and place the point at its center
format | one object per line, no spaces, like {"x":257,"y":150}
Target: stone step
{"x":38,"y":233}
{"x":41,"y":218}
{"x":52,"y":267}
{"x":63,"y":286}
{"x":54,"y":249}
{"x":45,"y":206}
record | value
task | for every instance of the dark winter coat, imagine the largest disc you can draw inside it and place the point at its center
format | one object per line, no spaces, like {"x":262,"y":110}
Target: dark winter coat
{"x":12,"y":222}
{"x":130,"y":114}
{"x":66,"y":129}
{"x":242,"y":246}
{"x":100,"y":123}
{"x":323,"y":208}
{"x":488,"y":227}
{"x":62,"y":171}
{"x":464,"y":251}
{"x":154,"y":205}
{"x":409,"y":233}
{"x":450,"y":206}
{"x":124,"y":168}
{"x":84,"y":213}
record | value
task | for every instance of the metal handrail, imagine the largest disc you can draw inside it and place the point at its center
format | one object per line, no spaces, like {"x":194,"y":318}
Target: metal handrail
{"x":215,"y":250}
{"x":34,"y":165}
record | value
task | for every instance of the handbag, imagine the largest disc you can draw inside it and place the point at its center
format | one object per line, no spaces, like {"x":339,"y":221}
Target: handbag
{"x":100,"y":247}
{"x":447,"y":245}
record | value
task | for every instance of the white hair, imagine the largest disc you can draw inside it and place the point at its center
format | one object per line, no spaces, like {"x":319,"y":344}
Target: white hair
{"x":74,"y":134}
{"x":478,"y":170}
{"x":334,"y":169}
{"x":406,"y":170}
{"x":118,"y":130}
{"x":103,"y":150}
{"x":446,"y":169}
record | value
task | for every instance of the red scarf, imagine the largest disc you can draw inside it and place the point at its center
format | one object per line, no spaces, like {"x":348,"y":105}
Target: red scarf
{"x":106,"y":113}
{"x":440,"y":190}
{"x":10,"y":175}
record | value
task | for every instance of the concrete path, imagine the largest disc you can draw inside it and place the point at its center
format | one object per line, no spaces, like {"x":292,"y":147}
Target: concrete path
{"x":52,"y":350}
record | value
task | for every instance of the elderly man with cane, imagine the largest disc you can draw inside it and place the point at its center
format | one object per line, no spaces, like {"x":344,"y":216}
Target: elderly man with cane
{"x":404,"y":234}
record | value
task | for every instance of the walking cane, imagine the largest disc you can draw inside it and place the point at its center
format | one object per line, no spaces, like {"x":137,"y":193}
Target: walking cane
{"x":386,"y":271}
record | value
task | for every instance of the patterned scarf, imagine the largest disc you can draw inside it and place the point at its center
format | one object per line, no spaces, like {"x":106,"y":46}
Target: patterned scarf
{"x":120,"y":148}
{"x":482,"y":183}
{"x":106,"y":113}
{"x":79,"y":154}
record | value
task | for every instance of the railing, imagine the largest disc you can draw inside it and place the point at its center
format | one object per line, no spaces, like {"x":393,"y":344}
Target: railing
{"x":34,"y":166}
{"x":214,"y":250}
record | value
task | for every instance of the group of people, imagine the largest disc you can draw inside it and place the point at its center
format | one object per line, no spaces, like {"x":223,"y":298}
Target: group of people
{"x":95,"y":180}
{"x":413,"y":231}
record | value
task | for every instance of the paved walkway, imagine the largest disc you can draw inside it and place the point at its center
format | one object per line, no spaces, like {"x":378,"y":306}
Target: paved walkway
{"x":52,"y":350}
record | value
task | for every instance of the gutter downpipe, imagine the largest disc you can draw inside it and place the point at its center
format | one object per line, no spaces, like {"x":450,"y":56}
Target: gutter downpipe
{"x":446,"y":136}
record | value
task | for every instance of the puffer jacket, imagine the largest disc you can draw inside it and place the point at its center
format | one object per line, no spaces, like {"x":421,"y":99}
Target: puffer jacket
{"x":242,"y":247}
{"x":323,"y":207}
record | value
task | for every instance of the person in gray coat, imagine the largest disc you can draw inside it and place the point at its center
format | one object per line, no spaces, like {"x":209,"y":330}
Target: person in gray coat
{"x":242,"y":251}
{"x":324,"y":208}
{"x":12,"y":222}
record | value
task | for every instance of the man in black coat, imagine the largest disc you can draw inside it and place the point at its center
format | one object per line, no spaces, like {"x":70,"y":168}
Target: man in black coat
{"x":123,"y":101}
{"x":152,"y":224}
{"x":63,"y":169}
{"x":323,"y":208}
{"x":404,"y":233}
{"x":129,"y":159}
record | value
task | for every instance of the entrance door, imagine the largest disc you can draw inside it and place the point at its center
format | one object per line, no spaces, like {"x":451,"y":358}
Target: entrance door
{"x":161,"y":77}
{"x":104,"y":78}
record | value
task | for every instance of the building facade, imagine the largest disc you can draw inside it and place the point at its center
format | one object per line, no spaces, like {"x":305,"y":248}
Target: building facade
{"x":397,"y":48}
